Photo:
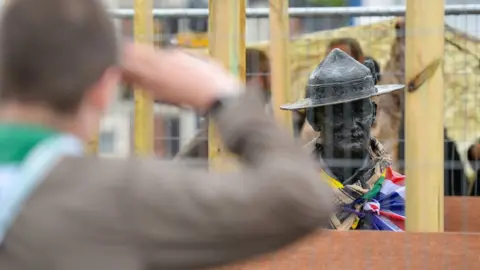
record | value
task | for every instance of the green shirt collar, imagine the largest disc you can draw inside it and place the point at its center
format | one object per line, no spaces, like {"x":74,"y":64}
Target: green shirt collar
{"x":16,"y":140}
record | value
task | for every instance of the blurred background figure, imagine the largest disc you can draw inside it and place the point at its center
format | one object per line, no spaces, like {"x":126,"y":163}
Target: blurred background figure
{"x":258,"y":72}
{"x":349,"y":45}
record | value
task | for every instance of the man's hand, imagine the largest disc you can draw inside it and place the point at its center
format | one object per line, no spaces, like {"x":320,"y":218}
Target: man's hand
{"x":176,"y":77}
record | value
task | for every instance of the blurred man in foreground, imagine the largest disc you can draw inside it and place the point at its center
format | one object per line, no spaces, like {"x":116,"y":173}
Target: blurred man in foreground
{"x":61,"y":210}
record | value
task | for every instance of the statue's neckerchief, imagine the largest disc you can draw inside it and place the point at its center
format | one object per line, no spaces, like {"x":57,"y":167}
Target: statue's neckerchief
{"x":351,"y":196}
{"x":359,"y":177}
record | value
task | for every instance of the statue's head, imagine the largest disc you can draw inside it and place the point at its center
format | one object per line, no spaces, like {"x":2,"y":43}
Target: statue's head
{"x":344,"y":126}
{"x":338,"y":102}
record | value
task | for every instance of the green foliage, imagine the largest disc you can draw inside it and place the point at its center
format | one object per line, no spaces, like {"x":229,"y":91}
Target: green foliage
{"x":329,"y":3}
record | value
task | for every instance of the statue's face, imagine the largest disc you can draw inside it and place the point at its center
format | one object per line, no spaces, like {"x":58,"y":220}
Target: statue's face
{"x":345,"y":127}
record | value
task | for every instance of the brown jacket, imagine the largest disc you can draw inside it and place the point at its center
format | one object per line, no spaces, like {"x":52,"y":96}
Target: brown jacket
{"x":107,"y":214}
{"x":197,"y":148}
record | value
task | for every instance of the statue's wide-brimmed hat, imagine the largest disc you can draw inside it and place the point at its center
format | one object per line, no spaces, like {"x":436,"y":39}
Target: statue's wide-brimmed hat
{"x":339,"y":78}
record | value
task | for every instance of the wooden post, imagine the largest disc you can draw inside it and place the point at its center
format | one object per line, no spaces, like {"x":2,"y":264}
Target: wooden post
{"x":226,"y":43}
{"x":159,"y":137}
{"x":280,"y":61}
{"x":143,"y":120}
{"x":92,"y":146}
{"x":424,"y":115}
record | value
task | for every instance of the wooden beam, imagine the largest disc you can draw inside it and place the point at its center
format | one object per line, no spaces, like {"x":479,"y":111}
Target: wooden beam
{"x":92,"y":146}
{"x":143,"y":119}
{"x":226,"y":43}
{"x":424,"y":116}
{"x":280,"y":61}
{"x":159,"y":137}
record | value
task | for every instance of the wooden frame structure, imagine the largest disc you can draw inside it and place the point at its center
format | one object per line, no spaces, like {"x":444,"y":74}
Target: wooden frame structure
{"x":280,"y":61}
{"x":143,"y":118}
{"x":226,"y":43}
{"x":424,"y":80}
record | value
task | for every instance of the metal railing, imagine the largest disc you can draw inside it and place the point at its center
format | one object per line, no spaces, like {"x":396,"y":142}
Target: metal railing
{"x":473,"y":9}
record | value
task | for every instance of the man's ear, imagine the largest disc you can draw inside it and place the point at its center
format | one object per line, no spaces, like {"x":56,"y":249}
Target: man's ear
{"x":374,"y":113}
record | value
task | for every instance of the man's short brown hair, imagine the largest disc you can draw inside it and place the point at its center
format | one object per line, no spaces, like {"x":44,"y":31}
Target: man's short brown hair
{"x":53,"y":51}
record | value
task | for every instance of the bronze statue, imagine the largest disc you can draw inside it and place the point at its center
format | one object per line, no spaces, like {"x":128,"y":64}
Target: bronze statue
{"x":339,"y":106}
{"x":350,"y":46}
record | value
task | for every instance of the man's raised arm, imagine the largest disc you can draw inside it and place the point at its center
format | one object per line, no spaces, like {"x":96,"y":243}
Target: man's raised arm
{"x":186,"y":218}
